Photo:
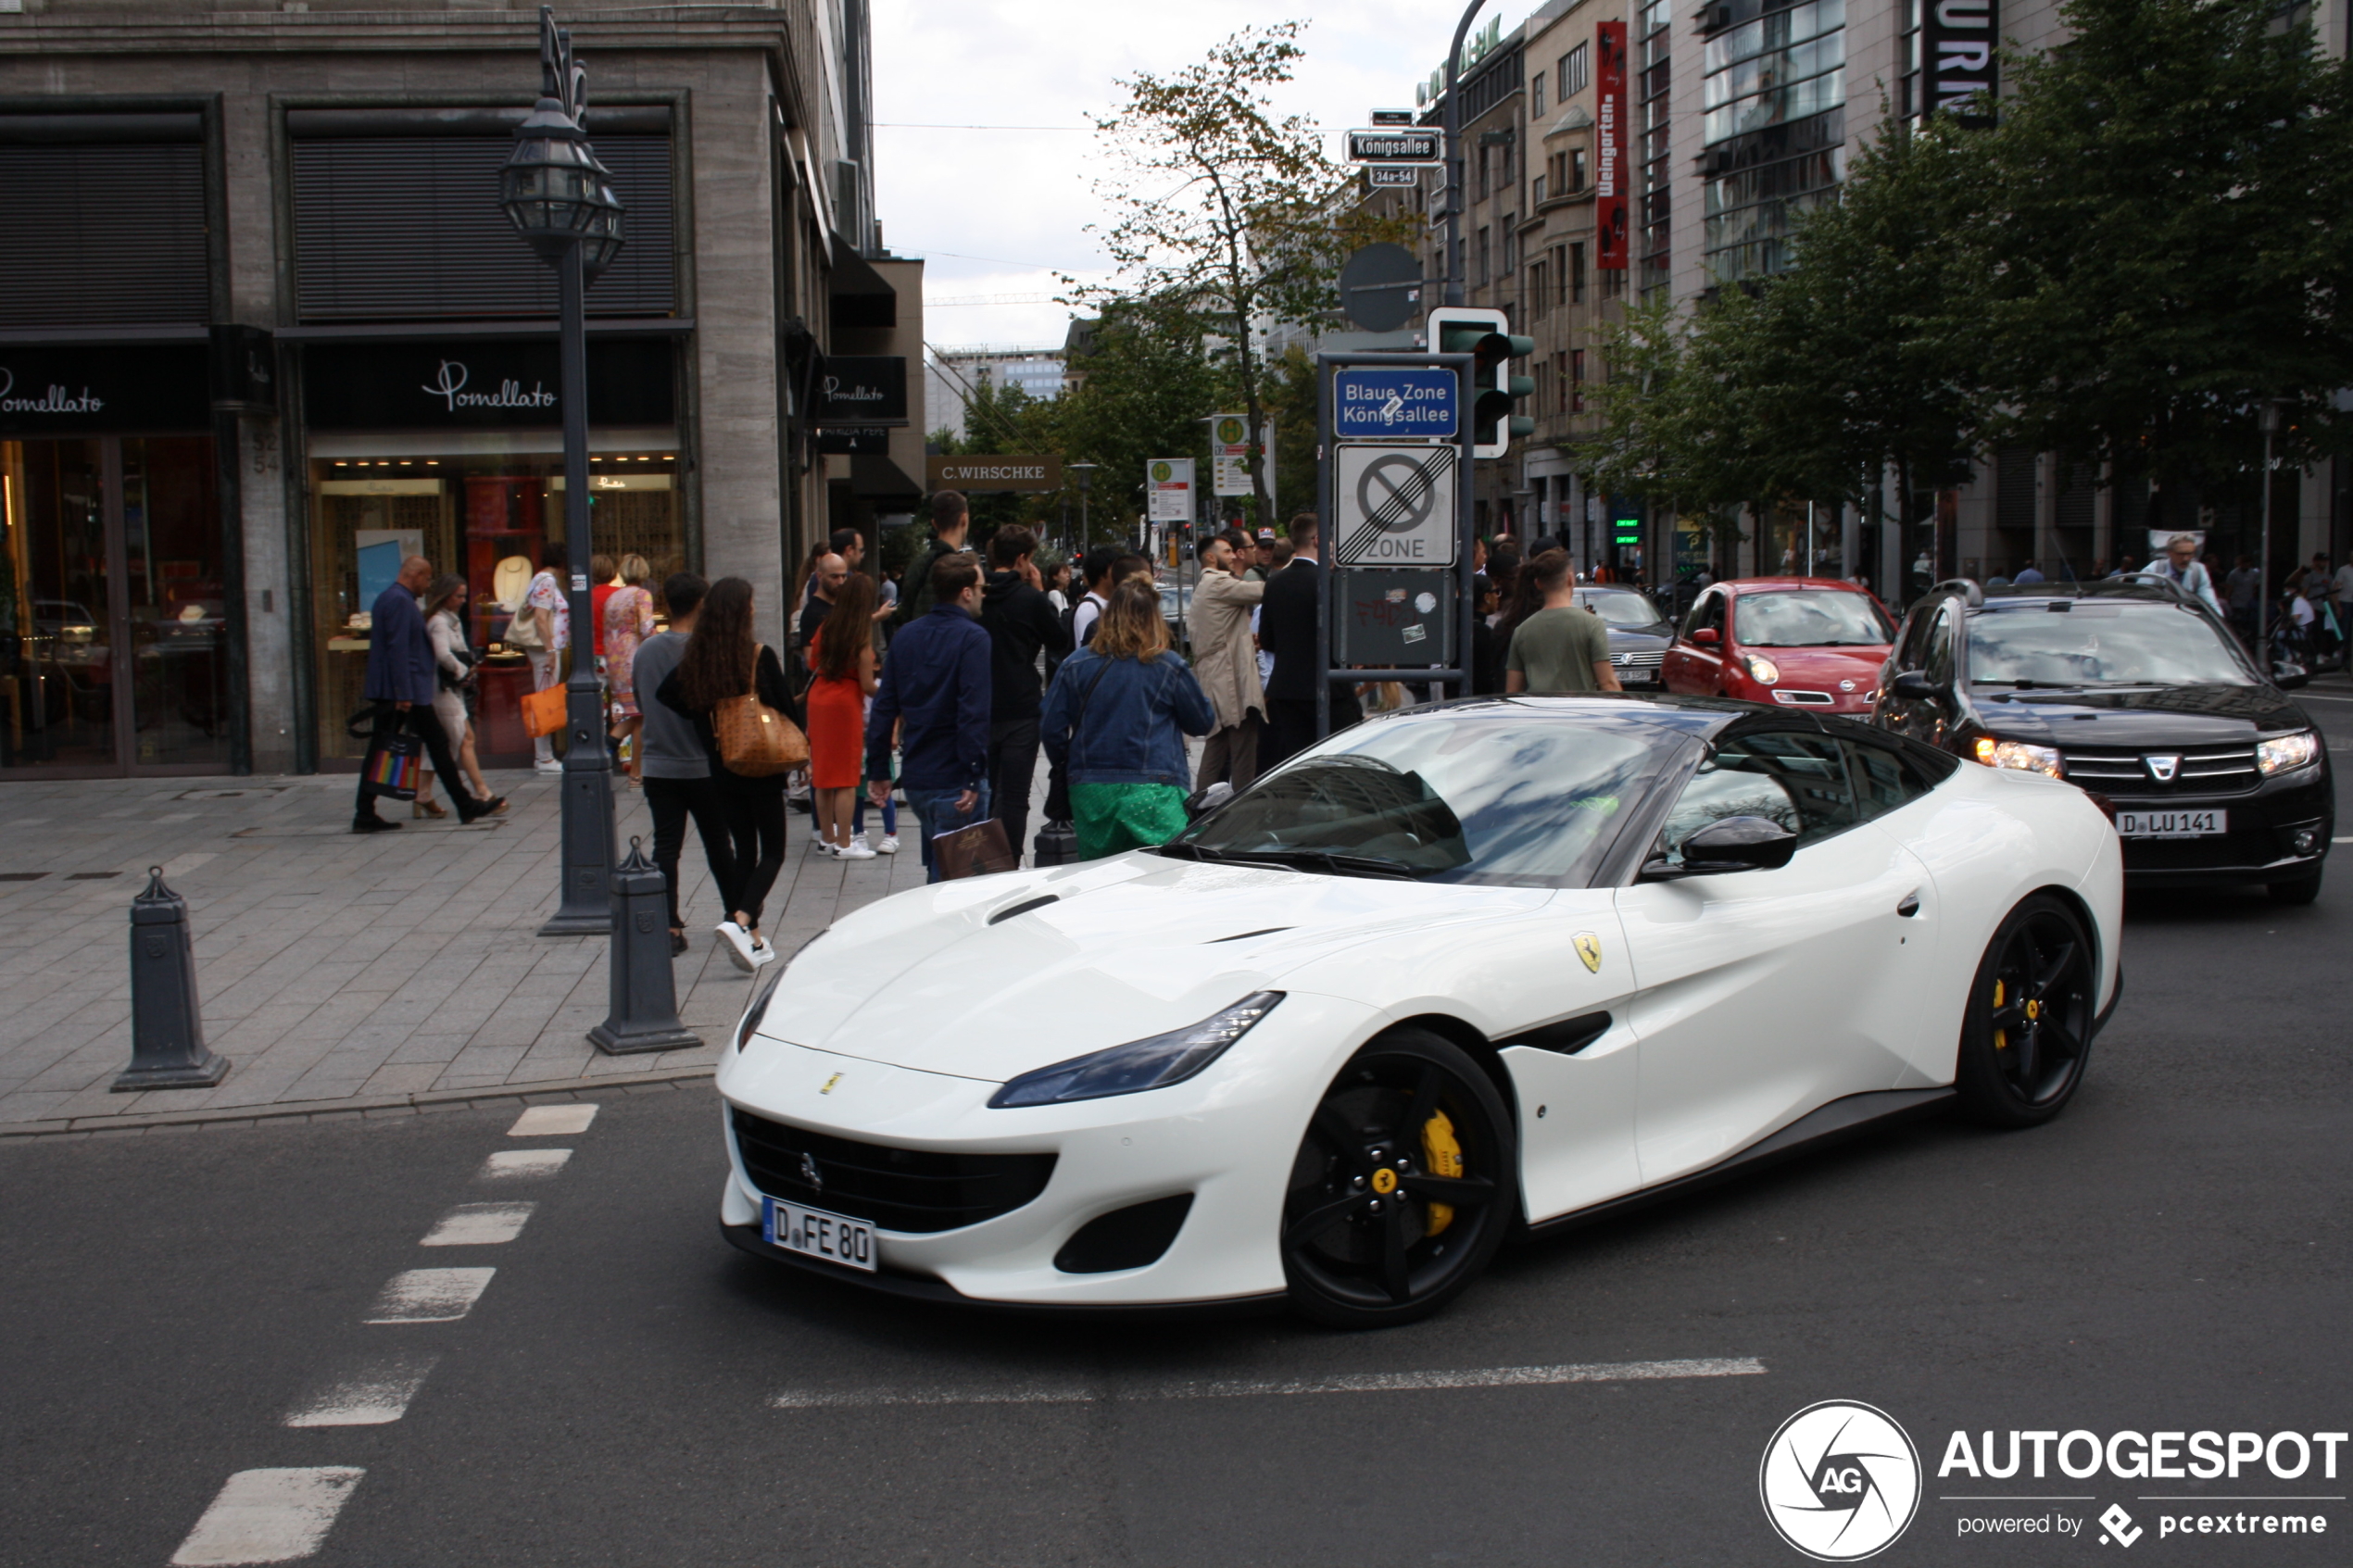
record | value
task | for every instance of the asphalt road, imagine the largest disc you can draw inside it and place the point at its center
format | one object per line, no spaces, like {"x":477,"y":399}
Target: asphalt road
{"x":2170,"y":1254}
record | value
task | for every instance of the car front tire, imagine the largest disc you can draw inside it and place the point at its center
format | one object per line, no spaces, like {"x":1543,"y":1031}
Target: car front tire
{"x":2026,"y":1033}
{"x":1404,"y":1183}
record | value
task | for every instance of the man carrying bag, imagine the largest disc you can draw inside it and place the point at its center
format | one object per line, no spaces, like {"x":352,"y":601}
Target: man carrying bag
{"x":401,"y":684}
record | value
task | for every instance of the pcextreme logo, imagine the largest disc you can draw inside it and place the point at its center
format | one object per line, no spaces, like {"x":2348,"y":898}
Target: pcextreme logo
{"x":1840,"y":1481}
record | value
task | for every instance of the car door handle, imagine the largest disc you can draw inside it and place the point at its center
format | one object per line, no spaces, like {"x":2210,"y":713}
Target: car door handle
{"x":1909,"y":905}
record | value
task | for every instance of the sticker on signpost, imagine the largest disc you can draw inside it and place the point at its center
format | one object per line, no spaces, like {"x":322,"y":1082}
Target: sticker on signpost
{"x":1394,"y":506}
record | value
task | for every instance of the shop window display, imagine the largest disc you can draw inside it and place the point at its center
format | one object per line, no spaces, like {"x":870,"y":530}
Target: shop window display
{"x":487,"y":515}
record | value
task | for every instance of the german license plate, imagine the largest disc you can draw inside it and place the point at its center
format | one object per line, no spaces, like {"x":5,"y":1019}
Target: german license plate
{"x":813,"y":1232}
{"x":2171,"y":824}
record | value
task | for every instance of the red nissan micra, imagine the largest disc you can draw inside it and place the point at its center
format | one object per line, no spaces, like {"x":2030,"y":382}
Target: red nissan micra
{"x":1797,"y":641}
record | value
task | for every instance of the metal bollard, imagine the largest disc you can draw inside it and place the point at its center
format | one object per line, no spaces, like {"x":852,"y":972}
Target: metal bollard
{"x":644,"y":993}
{"x":166,"y":1030}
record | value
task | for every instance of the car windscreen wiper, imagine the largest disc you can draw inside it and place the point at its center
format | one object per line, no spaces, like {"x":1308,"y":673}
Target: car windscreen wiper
{"x":1324,"y":859}
{"x":2030,"y":685}
{"x":1191,"y":852}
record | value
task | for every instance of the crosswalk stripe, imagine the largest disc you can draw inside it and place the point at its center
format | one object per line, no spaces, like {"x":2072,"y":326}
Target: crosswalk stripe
{"x":523,"y":1164}
{"x":372,"y":1394}
{"x":430,"y":1295}
{"x":548,"y":1121}
{"x":268,"y":1516}
{"x":479,"y":1224}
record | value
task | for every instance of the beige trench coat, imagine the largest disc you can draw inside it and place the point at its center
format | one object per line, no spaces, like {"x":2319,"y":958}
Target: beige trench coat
{"x":1224,"y":658}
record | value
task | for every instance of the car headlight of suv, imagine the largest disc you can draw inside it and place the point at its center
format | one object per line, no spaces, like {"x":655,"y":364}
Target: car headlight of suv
{"x":2282,"y":752}
{"x":1763,"y":670}
{"x":1152,"y":1063}
{"x":2018,"y":753}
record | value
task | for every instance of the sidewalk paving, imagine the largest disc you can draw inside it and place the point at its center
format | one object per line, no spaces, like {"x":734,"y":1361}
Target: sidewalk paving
{"x":335,"y":970}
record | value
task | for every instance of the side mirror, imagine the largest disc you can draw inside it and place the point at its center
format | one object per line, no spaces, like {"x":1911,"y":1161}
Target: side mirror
{"x":1202,"y":802}
{"x":1708,"y":636}
{"x":1913,"y":686}
{"x":1736,"y":844}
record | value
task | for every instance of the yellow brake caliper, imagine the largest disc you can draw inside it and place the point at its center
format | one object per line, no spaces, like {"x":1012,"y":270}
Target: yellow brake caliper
{"x":1442,"y":1156}
{"x":2001,"y":1036}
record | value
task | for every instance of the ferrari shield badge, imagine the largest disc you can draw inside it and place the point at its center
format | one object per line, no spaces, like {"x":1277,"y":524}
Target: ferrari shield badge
{"x":1588,"y":948}
{"x":829,"y":1084}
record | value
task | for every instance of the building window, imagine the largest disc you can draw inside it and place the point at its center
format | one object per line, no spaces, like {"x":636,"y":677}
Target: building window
{"x":1576,"y":380}
{"x":1511,"y":243}
{"x":1773,"y":99}
{"x":1657,"y":188}
{"x":1504,"y":155}
{"x":1536,"y":94}
{"x":1782,"y":67}
{"x":1480,"y":191}
{"x":1577,"y":274}
{"x":1540,"y":301}
{"x":1485,"y":269}
{"x":1575,"y":69}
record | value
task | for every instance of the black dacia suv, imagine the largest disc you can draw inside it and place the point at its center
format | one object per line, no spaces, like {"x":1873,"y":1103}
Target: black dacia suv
{"x":2136,"y":693}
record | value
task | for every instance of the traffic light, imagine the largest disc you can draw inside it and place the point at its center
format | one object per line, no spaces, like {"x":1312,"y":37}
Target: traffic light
{"x":1494,"y":390}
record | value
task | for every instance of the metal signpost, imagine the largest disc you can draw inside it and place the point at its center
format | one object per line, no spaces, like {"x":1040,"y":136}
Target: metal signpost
{"x":1392,"y":440}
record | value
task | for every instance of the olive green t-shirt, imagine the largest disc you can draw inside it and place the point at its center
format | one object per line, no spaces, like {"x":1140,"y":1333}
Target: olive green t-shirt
{"x":1557,"y":649}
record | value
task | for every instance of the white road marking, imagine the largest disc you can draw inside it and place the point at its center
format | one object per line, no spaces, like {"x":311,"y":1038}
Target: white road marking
{"x":268,"y":1516}
{"x":545,"y":1120}
{"x":479,"y":1224}
{"x":370,"y":1395}
{"x":430,"y":1295}
{"x":514,"y":1164}
{"x":1348,"y":1382}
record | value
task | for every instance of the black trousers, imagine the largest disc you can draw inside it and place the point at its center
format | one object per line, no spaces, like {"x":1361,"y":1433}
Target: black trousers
{"x":671,"y":801}
{"x":1013,"y":766}
{"x":1290,"y":724}
{"x":754,"y":812}
{"x":425,"y":724}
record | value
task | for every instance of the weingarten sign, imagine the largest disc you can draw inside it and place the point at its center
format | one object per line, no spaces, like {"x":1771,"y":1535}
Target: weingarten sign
{"x":481,"y":383}
{"x":116,"y":388}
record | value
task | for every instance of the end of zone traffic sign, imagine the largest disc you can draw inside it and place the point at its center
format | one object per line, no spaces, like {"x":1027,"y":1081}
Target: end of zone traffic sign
{"x":1408,"y":401}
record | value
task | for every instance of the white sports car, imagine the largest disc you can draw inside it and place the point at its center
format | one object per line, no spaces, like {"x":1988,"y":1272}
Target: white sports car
{"x":1472,"y":969}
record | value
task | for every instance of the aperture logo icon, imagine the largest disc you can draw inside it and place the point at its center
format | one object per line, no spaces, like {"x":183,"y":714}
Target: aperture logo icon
{"x":1841,"y":1481}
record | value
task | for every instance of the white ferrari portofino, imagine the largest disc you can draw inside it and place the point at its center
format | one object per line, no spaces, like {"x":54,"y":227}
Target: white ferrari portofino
{"x":1469,"y":970}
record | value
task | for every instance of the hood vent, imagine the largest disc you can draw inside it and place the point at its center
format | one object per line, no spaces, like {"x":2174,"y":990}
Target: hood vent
{"x":1241,"y":935}
{"x":1010,"y":911}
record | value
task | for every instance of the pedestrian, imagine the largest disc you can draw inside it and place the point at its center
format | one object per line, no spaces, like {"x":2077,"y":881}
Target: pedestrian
{"x":1116,"y":721}
{"x":938,"y":679}
{"x":628,"y":620}
{"x":2245,"y":588}
{"x":1487,"y":649}
{"x":1058,"y":585}
{"x":1561,"y":648}
{"x":675,"y":765}
{"x":1219,"y":623}
{"x":1286,"y":628}
{"x":850,"y":546}
{"x":1021,"y":627}
{"x":2320,"y":590}
{"x":401,"y":684}
{"x":841,"y":658}
{"x":1096,"y":569}
{"x":951,"y":522}
{"x":1502,"y":564}
{"x":602,"y":585}
{"x":825,"y":579}
{"x":2180,"y":566}
{"x":544,"y":601}
{"x":723,"y":660}
{"x":2028,"y":576}
{"x":445,"y":608}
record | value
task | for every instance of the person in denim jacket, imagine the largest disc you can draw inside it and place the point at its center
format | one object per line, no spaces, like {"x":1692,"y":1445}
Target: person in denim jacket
{"x":1116,"y":721}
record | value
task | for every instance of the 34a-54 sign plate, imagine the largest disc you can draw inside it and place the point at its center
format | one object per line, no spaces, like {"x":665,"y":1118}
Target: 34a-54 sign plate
{"x":1393,"y":505}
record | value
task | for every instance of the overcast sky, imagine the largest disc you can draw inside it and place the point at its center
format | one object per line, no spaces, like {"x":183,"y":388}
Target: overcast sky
{"x":998,"y":211}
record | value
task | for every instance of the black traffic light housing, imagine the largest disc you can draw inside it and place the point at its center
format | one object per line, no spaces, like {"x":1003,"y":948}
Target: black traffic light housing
{"x":1494,"y":391}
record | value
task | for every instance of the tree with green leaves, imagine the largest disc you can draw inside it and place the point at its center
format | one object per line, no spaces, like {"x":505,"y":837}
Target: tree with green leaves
{"x":1228,"y":214}
{"x":1145,"y":381}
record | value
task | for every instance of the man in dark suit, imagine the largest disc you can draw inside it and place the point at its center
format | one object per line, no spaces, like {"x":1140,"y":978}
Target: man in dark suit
{"x":402,"y":675}
{"x":1287,"y":630}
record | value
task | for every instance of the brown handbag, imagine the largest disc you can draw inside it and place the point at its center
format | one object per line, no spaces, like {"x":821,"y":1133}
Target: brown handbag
{"x":978,"y":850}
{"x":755,"y":741}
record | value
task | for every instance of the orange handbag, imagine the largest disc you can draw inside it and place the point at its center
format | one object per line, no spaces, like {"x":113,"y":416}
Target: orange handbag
{"x":543,"y":712}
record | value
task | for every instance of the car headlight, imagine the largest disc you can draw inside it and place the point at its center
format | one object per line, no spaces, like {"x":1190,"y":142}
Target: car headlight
{"x":2018,"y":753}
{"x":750,"y":1024}
{"x":1138,"y":1065}
{"x":2299,"y":750}
{"x":1763,"y":670}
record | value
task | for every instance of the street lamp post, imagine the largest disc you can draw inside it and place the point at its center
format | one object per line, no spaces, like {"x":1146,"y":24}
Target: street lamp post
{"x":1086,"y":472}
{"x":1451,"y":113}
{"x":2267,"y":417}
{"x":561,"y":200}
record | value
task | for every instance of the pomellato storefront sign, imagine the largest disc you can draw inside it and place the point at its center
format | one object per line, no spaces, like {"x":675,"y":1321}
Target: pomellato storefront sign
{"x":481,"y":383}
{"x":862,"y":390}
{"x":62,"y":391}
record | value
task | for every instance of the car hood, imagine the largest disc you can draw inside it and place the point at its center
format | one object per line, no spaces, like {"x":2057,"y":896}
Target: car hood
{"x":942,"y":980}
{"x":1624,"y":641}
{"x":1823,"y":669}
{"x":2142,"y":717}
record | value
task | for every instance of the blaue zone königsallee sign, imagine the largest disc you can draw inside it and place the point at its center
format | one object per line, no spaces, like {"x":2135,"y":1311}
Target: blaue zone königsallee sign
{"x":1415,"y":401}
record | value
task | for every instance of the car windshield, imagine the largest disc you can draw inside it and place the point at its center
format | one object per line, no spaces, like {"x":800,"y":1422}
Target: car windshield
{"x":1809,"y":618}
{"x":1498,"y":797}
{"x":1628,"y":611}
{"x":2094,"y":644}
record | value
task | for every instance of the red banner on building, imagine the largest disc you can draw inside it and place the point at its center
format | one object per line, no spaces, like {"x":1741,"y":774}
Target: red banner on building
{"x":1609,"y":155}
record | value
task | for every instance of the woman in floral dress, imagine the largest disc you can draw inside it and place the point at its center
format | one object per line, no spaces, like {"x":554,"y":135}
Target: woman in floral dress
{"x":629,"y":619}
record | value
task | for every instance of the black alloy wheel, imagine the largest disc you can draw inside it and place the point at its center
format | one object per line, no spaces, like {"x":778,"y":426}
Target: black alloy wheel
{"x":2027,"y":1032}
{"x":1403,"y":1186}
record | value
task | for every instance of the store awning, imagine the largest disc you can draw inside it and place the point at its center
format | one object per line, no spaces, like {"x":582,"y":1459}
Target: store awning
{"x":860,"y":295}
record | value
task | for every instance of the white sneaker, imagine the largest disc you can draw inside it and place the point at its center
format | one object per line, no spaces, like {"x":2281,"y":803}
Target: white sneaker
{"x":552,"y":765}
{"x":740,"y":948}
{"x":889,"y":845}
{"x":762,"y":954}
{"x":855,"y":849}
{"x":859,"y":838}
{"x":817,"y":836}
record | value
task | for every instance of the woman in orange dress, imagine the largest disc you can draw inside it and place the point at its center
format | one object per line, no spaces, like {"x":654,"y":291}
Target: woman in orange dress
{"x":842,"y":656}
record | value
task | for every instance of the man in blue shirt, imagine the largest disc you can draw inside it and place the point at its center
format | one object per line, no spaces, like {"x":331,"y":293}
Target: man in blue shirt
{"x":936,"y":679}
{"x":401,"y":679}
{"x":2181,"y":566}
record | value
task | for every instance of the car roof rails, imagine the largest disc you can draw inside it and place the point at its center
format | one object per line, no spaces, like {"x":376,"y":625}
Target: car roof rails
{"x":1965,"y":586}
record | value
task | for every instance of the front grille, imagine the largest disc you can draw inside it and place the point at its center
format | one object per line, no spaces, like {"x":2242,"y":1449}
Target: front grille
{"x":1650,"y":660}
{"x":911,"y":1190}
{"x":2199,"y":773}
{"x":1803,"y":699}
